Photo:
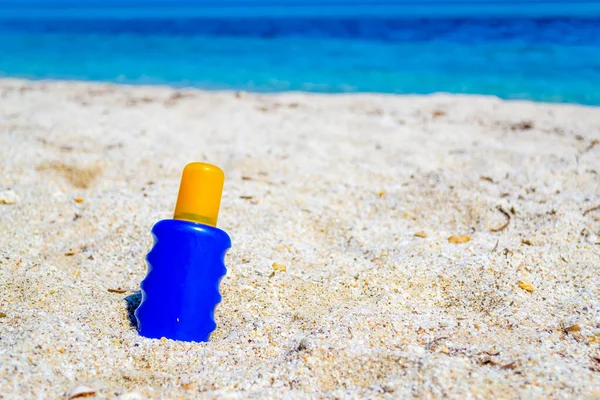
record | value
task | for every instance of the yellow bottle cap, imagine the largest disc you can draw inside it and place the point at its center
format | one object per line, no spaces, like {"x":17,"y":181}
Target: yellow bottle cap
{"x":200,"y":192}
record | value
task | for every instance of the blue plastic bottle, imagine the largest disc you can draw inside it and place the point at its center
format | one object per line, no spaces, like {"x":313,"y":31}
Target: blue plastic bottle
{"x":186,"y":264}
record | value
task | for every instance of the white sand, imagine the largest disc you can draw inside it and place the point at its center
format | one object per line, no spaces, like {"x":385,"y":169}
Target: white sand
{"x":339,"y":185}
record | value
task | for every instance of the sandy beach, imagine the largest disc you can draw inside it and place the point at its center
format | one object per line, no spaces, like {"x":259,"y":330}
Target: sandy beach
{"x":383,"y":246}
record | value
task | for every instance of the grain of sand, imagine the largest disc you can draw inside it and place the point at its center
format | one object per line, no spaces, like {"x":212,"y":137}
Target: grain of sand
{"x":352,"y":197}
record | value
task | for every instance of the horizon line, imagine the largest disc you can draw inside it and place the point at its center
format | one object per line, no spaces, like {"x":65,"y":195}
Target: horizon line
{"x":284,"y":4}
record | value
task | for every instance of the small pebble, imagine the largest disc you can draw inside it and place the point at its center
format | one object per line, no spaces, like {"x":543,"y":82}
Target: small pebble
{"x":82,"y":391}
{"x":8,"y":197}
{"x":526,"y":285}
{"x":305,"y":345}
{"x":573,"y":328}
{"x":388,"y":388}
{"x":279,"y":267}
{"x":458,"y":239}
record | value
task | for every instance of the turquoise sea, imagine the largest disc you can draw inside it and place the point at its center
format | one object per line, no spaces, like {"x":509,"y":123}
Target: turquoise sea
{"x":540,"y":50}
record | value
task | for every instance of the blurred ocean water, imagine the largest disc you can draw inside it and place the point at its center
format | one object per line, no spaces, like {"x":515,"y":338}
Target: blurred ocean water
{"x":543,"y":58}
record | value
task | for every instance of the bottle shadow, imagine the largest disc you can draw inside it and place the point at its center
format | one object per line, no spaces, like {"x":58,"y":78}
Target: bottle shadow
{"x":133,"y":302}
